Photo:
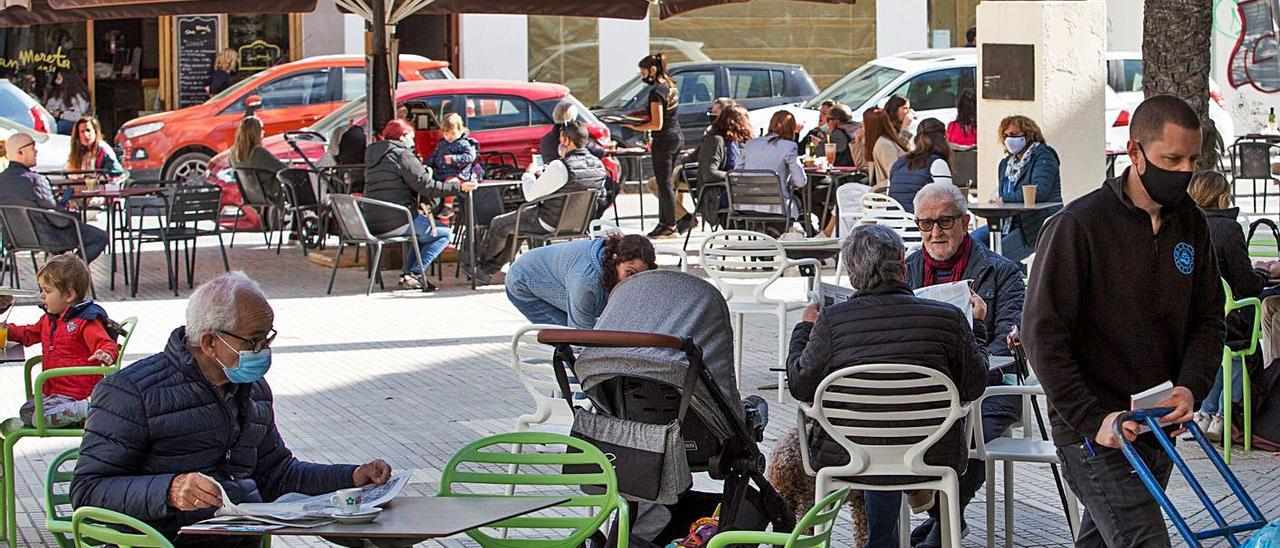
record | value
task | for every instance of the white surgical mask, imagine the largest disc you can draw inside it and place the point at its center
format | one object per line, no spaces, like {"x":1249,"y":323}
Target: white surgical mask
{"x":1015,"y":144}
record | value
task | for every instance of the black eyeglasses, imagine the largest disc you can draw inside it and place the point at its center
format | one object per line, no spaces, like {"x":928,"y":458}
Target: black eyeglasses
{"x":254,"y":344}
{"x":926,"y":225}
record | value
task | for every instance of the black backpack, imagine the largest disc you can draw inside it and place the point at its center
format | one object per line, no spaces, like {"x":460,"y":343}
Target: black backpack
{"x":1266,"y":412}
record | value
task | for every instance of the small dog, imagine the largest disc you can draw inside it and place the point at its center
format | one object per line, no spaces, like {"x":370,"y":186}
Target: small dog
{"x":786,"y":473}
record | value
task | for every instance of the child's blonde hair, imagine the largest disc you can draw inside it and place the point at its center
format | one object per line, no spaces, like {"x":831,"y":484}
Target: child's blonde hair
{"x":1210,"y":190}
{"x":66,"y":272}
{"x":452,"y":124}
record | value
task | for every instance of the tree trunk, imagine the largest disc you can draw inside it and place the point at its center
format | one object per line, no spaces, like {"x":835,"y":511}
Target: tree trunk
{"x":381,"y":103}
{"x":1176,"y":40}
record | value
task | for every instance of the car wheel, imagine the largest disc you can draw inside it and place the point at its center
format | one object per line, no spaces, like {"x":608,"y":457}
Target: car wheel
{"x":192,"y":165}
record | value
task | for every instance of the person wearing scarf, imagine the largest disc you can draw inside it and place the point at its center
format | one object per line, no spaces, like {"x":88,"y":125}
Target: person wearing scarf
{"x":949,"y":255}
{"x":1030,"y":161}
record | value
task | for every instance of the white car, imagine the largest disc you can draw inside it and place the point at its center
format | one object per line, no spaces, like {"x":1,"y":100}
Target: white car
{"x":52,"y":149}
{"x":931,"y":80}
{"x":1124,"y":74}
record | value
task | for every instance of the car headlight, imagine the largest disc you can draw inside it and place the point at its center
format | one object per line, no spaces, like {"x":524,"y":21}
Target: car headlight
{"x":143,"y":129}
{"x":227,"y":175}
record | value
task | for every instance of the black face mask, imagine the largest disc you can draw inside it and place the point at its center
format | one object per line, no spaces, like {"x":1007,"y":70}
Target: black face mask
{"x":649,"y":80}
{"x":1167,"y":188}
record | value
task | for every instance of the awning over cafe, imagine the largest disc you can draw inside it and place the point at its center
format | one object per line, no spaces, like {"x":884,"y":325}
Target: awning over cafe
{"x":41,"y":12}
{"x":615,"y":9}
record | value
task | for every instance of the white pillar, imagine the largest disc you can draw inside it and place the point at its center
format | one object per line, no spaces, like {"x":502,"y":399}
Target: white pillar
{"x":1124,"y":25}
{"x":318,"y":29}
{"x":622,"y":43}
{"x":901,"y":25}
{"x":1069,"y":38}
{"x":352,"y":34}
{"x":493,"y":46}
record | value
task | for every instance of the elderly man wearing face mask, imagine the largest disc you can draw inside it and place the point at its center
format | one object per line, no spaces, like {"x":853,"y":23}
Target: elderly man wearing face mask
{"x":168,"y":434}
{"x":951,"y":255}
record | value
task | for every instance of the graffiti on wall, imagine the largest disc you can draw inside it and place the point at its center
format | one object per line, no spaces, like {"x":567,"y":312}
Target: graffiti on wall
{"x":1255,"y":57}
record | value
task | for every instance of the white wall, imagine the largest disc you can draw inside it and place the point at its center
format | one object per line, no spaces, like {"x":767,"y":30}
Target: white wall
{"x":901,"y":25}
{"x":1070,"y":41}
{"x":622,"y":43}
{"x":494,"y":46}
{"x":320,"y":27}
{"x":352,"y":34}
{"x":1124,"y":25}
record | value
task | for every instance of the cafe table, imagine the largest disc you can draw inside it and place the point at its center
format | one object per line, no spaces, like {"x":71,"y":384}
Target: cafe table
{"x":1000,"y":216}
{"x":633,"y":159}
{"x":409,"y":518}
{"x":489,"y":185}
{"x":111,"y":196}
{"x":14,"y":353}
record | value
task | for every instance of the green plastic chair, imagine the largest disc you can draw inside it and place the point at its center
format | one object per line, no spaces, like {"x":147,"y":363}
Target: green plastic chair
{"x":819,"y":518}
{"x":1228,"y":355}
{"x":493,"y":455}
{"x":57,"y":493}
{"x":9,"y":525}
{"x":105,"y":527}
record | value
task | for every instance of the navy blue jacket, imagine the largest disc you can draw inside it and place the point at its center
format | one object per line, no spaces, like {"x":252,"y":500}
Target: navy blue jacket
{"x":1041,"y":170}
{"x":462,"y":152}
{"x":997,"y":280}
{"x":160,"y":417}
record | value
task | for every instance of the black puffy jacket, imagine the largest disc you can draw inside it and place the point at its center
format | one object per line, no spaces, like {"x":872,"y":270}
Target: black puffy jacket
{"x":161,"y":417}
{"x":997,"y":280}
{"x":1232,"y":251}
{"x":888,"y":324}
{"x":393,"y":174}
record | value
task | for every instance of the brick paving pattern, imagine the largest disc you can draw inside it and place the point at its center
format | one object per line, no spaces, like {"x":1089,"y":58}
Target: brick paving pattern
{"x":411,"y":377}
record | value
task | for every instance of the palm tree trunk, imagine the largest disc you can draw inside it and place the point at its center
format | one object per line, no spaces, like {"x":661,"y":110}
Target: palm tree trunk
{"x":1176,"y":40}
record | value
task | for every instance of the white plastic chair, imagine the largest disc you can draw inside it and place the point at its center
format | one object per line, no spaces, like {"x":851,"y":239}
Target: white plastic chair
{"x":883,"y":210}
{"x":1009,"y":449}
{"x":601,"y":228}
{"x":883,"y":421}
{"x":849,"y":205}
{"x":532,"y":362}
{"x":742,"y":265}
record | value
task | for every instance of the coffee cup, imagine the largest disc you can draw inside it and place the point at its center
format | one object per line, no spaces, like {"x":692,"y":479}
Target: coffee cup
{"x":347,"y":501}
{"x":1029,"y":194}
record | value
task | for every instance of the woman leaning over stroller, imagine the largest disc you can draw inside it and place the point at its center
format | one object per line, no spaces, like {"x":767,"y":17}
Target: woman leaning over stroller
{"x":392,"y":173}
{"x":568,"y":284}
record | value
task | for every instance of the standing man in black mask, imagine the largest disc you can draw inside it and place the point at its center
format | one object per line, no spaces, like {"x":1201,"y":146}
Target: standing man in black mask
{"x":1124,"y":296}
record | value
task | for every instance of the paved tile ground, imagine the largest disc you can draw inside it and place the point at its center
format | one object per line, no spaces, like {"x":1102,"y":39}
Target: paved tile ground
{"x":412,"y":377}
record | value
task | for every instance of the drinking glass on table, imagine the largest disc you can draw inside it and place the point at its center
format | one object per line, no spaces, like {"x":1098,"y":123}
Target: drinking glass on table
{"x":830,"y":150}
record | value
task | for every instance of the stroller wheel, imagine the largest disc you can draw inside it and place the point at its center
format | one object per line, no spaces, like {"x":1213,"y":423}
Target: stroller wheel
{"x":311,"y":232}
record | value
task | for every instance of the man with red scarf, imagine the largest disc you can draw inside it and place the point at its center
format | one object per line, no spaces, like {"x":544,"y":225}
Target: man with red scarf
{"x":950,"y":255}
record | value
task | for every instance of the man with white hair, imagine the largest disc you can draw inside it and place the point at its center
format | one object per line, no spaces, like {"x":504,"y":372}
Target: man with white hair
{"x":950,"y":255}
{"x":20,"y":186}
{"x":165,"y":433}
{"x":550,"y":147}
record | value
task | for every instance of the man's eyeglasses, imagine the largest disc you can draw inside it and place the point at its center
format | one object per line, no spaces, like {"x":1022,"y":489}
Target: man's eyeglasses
{"x":926,"y":225}
{"x":254,"y":344}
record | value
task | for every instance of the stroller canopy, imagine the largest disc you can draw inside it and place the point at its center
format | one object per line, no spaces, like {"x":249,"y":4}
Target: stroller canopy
{"x":671,"y":303}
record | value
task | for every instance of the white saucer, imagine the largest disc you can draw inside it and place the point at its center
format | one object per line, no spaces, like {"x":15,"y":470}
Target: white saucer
{"x":363,"y":516}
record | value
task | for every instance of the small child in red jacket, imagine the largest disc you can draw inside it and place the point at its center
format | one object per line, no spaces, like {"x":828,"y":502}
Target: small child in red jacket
{"x":73,"y":332}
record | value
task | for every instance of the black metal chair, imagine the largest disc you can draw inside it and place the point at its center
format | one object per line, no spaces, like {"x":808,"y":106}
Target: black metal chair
{"x":253,"y":194}
{"x":577,"y":212}
{"x":354,"y":230}
{"x":756,"y":188}
{"x":185,"y":207}
{"x":489,"y":203}
{"x":303,"y":192}
{"x":1251,"y":161}
{"x":689,"y":175}
{"x":20,"y":234}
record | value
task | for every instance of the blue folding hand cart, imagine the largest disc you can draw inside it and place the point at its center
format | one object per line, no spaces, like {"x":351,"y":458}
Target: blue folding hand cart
{"x":1193,"y":538}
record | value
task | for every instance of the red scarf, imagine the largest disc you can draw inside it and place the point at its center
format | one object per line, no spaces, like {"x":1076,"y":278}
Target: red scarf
{"x":955,"y":264}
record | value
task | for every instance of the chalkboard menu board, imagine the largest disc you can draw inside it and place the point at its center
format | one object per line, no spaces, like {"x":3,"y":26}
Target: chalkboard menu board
{"x":197,"y":48}
{"x":1009,"y":72}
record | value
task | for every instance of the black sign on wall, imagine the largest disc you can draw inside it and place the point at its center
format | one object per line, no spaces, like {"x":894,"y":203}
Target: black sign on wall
{"x":1009,"y":72}
{"x":197,"y":48}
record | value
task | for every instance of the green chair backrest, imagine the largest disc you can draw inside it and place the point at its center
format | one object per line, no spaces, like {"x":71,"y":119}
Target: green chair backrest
{"x":57,"y":496}
{"x":821,"y":516}
{"x":487,"y":462}
{"x":106,"y":526}
{"x":1230,"y":304}
{"x":129,"y":325}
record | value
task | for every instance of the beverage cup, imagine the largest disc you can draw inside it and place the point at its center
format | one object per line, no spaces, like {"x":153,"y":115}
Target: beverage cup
{"x":347,"y":501}
{"x":4,"y":335}
{"x":1029,"y":194}
{"x":830,"y":150}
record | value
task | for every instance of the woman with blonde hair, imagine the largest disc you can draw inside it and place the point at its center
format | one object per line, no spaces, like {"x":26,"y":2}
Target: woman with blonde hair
{"x":248,"y":153}
{"x":89,"y":152}
{"x":455,"y":153}
{"x":223,"y":66}
{"x":882,"y":145}
{"x":1029,"y":160}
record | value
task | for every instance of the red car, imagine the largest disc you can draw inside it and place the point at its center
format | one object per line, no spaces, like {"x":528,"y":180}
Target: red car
{"x":178,"y":144}
{"x":503,"y":116}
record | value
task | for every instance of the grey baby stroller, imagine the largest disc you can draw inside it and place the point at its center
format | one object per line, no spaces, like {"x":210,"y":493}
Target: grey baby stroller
{"x":659,"y":371}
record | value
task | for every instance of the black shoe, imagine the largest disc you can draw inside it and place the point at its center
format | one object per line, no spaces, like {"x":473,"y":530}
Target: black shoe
{"x":685,"y":223}
{"x":922,"y":531}
{"x":662,"y":231}
{"x":476,"y":273}
{"x":429,"y":287}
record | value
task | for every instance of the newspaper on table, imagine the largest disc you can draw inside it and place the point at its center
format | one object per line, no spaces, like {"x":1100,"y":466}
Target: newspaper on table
{"x":954,"y":293}
{"x":296,"y":509}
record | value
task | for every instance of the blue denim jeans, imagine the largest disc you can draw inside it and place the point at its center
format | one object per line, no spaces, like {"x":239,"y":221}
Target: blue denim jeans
{"x":883,"y":508}
{"x":430,"y":245}
{"x":1012,"y":246}
{"x":1212,"y":404}
{"x":534,"y":309}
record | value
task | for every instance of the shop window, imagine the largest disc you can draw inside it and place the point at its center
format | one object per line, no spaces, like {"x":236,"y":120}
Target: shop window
{"x":30,"y":58}
{"x":262,"y":40}
{"x":749,"y":84}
